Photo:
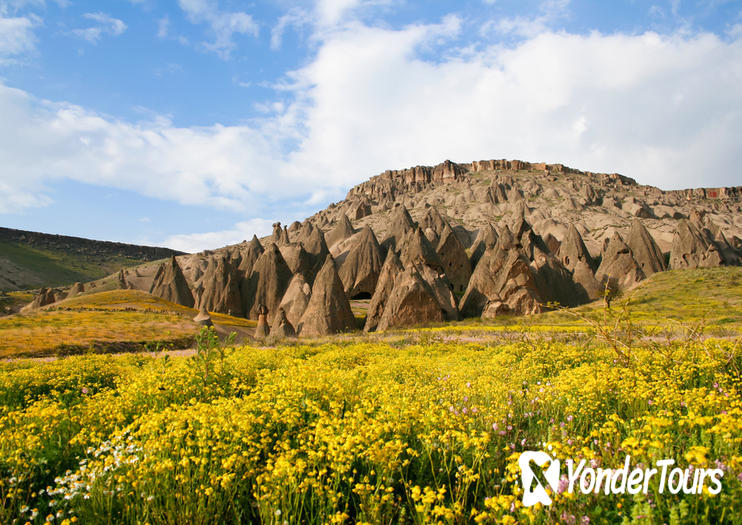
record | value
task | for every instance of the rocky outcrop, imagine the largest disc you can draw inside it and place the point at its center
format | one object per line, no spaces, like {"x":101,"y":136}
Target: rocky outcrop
{"x":75,"y":290}
{"x":433,"y":220}
{"x":411,"y":302}
{"x":455,"y":261}
{"x":45,"y":297}
{"x":486,"y":239}
{"x":298,"y":260}
{"x":502,"y":282}
{"x":249,"y":254}
{"x":267,"y":283}
{"x":361,"y":268}
{"x":400,"y":225}
{"x":262,"y":330}
{"x":644,"y":250}
{"x":416,"y":250}
{"x":575,"y":257}
{"x":281,"y":327}
{"x":203,"y":318}
{"x":359,"y":209}
{"x":392,"y":267}
{"x":295,"y":300}
{"x":219,"y":288}
{"x":314,"y":243}
{"x":170,"y":284}
{"x":328,"y":311}
{"x":342,"y":230}
{"x":692,"y":249}
{"x":618,"y":264}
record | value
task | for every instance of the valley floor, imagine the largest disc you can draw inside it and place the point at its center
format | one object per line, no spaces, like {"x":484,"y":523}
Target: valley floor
{"x":422,"y":425}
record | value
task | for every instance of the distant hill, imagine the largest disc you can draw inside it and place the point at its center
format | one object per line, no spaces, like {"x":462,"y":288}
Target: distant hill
{"x":31,"y":259}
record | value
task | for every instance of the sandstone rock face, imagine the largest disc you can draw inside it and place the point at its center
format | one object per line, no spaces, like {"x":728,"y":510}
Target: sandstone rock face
{"x":618,"y":264}
{"x":575,"y":257}
{"x":645,"y":250}
{"x":692,"y":249}
{"x":433,"y":220}
{"x":298,"y":260}
{"x":411,"y":302}
{"x":455,"y":261}
{"x":572,"y":250}
{"x":392,"y":267}
{"x":203,"y":318}
{"x":219,"y":288}
{"x":328,"y":311}
{"x":360,"y":209}
{"x":281,"y":327}
{"x":261,"y":330}
{"x":249,"y":255}
{"x":315,"y":245}
{"x":400,"y":225}
{"x":75,"y":290}
{"x":503,"y":282}
{"x":45,"y":297}
{"x":486,"y":239}
{"x":295,"y":300}
{"x":342,"y":230}
{"x":360,"y":270}
{"x":416,"y":249}
{"x":267,"y":283}
{"x":170,"y":284}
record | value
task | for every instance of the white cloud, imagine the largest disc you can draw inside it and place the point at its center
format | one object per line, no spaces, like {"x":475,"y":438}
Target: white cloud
{"x":196,"y":242}
{"x":105,"y":25}
{"x":224,"y":25}
{"x":548,"y":13}
{"x":17,"y":37}
{"x":163,"y":26}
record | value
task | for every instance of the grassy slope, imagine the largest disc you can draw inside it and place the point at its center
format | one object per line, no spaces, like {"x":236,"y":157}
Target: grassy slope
{"x":667,"y":302}
{"x":106,"y":321}
{"x":56,"y":267}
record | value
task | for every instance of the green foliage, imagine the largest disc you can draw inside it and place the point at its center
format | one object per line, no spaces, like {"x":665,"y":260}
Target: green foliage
{"x":60,"y":268}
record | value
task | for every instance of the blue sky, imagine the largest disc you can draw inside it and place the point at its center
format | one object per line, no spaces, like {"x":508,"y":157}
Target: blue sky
{"x":195,"y":123}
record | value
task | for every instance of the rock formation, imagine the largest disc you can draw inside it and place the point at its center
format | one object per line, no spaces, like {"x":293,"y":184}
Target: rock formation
{"x":281,"y":327}
{"x":219,"y":288}
{"x":203,"y":318}
{"x":262,"y":330}
{"x":342,"y":230}
{"x":644,"y":250}
{"x":411,"y":302}
{"x":618,"y":264}
{"x":328,"y":311}
{"x":691,"y":249}
{"x":296,"y":299}
{"x":171,"y":285}
{"x":400,"y":225}
{"x":75,"y":290}
{"x":455,"y":261}
{"x":486,"y":239}
{"x":267,"y":283}
{"x":575,"y":257}
{"x":361,"y":268}
{"x":416,"y":249}
{"x":392,"y":267}
{"x":45,"y":297}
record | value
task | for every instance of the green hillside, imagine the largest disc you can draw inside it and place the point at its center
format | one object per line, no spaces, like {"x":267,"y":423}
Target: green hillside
{"x":31,"y":260}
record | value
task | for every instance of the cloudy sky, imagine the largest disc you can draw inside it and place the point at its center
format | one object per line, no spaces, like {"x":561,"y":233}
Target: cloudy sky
{"x":194,"y":123}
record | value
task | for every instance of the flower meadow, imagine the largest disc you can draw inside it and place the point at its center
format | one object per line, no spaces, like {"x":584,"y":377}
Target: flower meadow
{"x":365,"y":431}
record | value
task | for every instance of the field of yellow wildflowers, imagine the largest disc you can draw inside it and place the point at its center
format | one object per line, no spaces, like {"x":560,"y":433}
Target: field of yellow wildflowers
{"x":420,"y":429}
